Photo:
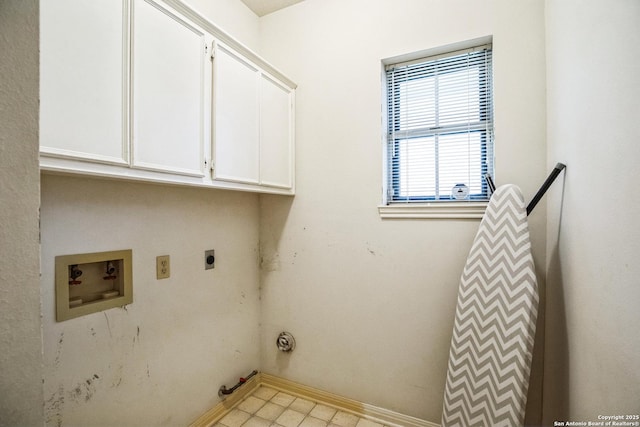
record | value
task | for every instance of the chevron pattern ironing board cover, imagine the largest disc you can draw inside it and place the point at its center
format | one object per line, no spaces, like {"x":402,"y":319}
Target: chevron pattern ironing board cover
{"x":495,"y":321}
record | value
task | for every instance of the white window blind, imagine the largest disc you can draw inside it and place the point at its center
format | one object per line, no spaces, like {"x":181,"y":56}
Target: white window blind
{"x":440,"y":127}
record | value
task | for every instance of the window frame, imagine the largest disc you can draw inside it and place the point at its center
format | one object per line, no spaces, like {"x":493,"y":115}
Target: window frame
{"x":428,"y":206}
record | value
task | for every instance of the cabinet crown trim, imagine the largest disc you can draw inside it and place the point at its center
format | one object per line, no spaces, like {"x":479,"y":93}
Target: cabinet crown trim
{"x":221,"y":35}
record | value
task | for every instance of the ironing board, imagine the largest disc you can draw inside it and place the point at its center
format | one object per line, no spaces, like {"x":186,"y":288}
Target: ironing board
{"x":495,"y":321}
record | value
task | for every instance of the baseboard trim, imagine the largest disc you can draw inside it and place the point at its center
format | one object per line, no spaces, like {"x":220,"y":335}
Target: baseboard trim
{"x":363,"y":410}
{"x":355,"y":407}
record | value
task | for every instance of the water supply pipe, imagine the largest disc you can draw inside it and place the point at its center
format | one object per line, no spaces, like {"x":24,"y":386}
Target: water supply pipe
{"x":223,"y":391}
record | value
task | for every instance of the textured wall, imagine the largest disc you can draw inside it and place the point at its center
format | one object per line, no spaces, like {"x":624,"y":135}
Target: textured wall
{"x":161,"y":359}
{"x":20,"y":325}
{"x":591,"y":360}
{"x":232,"y":16}
{"x":371,"y":302}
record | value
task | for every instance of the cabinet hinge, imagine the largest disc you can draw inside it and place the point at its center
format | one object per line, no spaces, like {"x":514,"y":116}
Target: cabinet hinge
{"x":213,"y":50}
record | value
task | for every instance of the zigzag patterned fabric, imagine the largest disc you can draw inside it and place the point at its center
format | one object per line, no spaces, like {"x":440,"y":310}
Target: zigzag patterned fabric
{"x":495,"y":321}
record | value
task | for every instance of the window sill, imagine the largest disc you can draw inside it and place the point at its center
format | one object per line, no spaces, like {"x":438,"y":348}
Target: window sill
{"x":435,"y":210}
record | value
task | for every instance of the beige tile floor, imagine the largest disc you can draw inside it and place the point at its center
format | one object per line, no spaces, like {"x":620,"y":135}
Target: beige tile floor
{"x":267,"y":407}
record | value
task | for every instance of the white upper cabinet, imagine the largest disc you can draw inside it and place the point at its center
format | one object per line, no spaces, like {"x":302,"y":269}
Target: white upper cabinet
{"x":171,"y":90}
{"x":83,"y":84}
{"x":236,"y":118}
{"x":149,"y":90}
{"x":276,"y":133}
{"x":253,"y":123}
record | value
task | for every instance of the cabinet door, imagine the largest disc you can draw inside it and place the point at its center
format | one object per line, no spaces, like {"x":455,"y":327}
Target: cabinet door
{"x":83,"y":91}
{"x":171,"y":91}
{"x":276,"y":134}
{"x":236,"y":118}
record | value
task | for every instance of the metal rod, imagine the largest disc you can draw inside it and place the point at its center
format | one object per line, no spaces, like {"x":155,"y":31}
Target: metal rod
{"x":490,"y":183}
{"x":224,"y":390}
{"x":545,"y":186}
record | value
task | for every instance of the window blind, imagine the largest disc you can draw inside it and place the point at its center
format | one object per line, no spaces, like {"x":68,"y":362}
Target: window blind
{"x":440,"y":127}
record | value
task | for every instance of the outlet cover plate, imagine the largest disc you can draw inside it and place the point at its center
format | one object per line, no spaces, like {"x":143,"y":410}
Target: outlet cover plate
{"x":209,"y":259}
{"x":163,"y":268}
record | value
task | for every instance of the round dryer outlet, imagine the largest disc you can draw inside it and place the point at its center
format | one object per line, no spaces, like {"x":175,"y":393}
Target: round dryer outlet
{"x":286,"y":342}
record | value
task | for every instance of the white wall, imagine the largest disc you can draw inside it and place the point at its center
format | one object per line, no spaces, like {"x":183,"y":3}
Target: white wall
{"x":591,"y":360}
{"x":232,"y":16}
{"x":20,"y":326}
{"x":371,"y":302}
{"x":160,"y":360}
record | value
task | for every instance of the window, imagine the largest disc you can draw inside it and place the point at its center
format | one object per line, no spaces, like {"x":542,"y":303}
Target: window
{"x":440,"y":127}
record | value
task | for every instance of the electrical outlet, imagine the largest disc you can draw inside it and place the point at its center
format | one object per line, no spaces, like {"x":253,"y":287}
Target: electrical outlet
{"x":163,"y":268}
{"x":209,"y":259}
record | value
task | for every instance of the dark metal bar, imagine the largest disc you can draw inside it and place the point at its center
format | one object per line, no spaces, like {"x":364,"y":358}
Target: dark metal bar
{"x":224,"y":390}
{"x":490,"y":183}
{"x":545,"y":186}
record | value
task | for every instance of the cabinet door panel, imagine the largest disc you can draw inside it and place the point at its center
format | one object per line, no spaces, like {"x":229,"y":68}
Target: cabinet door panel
{"x":169,"y":90}
{"x":82,"y":81}
{"x":276,"y":148}
{"x":236,"y":118}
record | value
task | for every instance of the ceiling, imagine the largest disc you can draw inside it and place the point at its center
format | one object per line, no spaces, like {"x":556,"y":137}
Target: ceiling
{"x":264,"y":7}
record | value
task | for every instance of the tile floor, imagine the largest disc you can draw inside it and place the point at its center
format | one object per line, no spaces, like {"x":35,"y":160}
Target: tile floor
{"x":267,"y":407}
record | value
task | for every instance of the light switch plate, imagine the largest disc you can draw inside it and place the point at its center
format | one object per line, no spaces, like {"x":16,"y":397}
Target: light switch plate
{"x":163,"y":268}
